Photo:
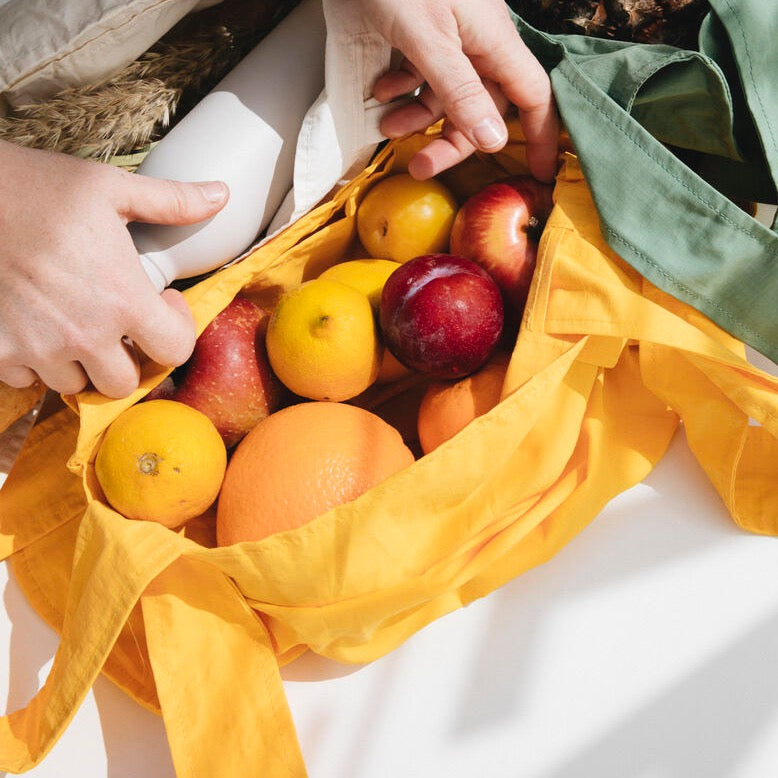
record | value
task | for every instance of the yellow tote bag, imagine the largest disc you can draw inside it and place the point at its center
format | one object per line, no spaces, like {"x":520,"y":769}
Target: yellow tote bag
{"x":604,"y":369}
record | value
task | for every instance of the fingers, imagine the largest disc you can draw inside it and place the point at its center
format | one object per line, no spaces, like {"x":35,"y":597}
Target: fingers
{"x":166,"y":332}
{"x":115,"y":372}
{"x":396,"y":83}
{"x":458,"y":87}
{"x":524,"y":82}
{"x":18,"y":377}
{"x":463,"y":49}
{"x":442,"y":153}
{"x":71,"y":285}
{"x":67,"y":377}
{"x":159,"y":201}
{"x":167,"y":336}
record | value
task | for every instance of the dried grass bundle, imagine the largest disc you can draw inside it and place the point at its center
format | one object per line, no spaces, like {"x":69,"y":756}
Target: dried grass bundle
{"x":121,"y":115}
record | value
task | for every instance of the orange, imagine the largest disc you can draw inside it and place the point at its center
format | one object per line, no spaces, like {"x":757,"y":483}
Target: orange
{"x":161,"y":460}
{"x":301,"y":461}
{"x":448,"y":406}
{"x":322,"y":341}
{"x":401,"y":218}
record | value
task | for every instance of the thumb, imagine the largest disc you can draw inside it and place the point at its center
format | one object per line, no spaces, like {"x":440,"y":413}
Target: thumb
{"x":161,"y":201}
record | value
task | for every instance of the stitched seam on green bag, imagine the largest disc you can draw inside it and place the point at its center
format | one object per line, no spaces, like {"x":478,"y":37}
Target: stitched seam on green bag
{"x":644,"y":75}
{"x":747,"y":57}
{"x":647,"y":152}
{"x":717,"y":214}
{"x":673,"y":281}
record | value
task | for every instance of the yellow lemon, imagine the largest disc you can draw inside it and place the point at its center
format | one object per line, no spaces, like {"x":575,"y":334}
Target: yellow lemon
{"x":369,"y":277}
{"x":162,"y":461}
{"x":401,"y":218}
{"x":322,"y":341}
{"x":365,"y":275}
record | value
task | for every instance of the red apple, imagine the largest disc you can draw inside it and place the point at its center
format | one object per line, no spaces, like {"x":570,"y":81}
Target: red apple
{"x":228,"y":376}
{"x":441,"y":315}
{"x":499,"y":228}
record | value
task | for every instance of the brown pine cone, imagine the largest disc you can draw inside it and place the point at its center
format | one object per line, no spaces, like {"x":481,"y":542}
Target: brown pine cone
{"x":675,"y":22}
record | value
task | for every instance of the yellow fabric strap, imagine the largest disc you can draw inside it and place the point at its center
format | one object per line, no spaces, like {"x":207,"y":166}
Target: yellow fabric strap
{"x":729,"y":407}
{"x":217,"y":678}
{"x":27,"y":507}
{"x":99,"y":602}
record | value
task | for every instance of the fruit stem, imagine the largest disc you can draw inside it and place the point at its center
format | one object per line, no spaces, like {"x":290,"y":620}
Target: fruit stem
{"x":148,"y":463}
{"x":322,"y":325}
{"x":535,"y":228}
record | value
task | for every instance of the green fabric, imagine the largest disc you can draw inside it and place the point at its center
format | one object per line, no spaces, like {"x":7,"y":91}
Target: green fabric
{"x":665,"y":137}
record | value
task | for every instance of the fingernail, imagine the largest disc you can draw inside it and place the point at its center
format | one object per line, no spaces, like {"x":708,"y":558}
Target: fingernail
{"x":214,"y":191}
{"x":489,"y":134}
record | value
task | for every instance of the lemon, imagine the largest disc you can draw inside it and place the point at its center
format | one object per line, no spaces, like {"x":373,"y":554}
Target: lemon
{"x":162,"y":461}
{"x":369,"y":276}
{"x":365,"y":275}
{"x":322,"y":341}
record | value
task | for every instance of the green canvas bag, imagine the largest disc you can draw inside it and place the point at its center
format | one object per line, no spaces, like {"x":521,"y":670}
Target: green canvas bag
{"x":667,"y":139}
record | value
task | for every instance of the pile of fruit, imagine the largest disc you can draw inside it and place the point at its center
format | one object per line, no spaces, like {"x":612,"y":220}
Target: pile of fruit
{"x":270,"y":418}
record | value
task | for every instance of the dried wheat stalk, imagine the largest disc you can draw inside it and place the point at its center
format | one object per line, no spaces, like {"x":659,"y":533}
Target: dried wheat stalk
{"x":128,"y":110}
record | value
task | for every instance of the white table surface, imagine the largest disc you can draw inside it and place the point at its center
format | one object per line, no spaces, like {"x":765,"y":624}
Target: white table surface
{"x":645,"y":649}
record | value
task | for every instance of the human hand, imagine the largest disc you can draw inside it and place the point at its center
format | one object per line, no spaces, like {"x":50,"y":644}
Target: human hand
{"x":72,"y":290}
{"x":471,"y":63}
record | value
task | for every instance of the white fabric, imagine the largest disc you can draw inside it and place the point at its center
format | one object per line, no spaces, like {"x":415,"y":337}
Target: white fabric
{"x":47,"y":45}
{"x":340,"y":131}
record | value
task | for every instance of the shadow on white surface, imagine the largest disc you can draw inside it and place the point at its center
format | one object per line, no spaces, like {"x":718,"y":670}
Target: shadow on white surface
{"x":613,"y":549}
{"x":28,"y":657}
{"x":134,"y":738}
{"x":703,"y":726}
{"x":312,"y":667}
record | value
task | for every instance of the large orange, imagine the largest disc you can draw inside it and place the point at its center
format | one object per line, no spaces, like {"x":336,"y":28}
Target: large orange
{"x":301,"y":461}
{"x":448,"y":406}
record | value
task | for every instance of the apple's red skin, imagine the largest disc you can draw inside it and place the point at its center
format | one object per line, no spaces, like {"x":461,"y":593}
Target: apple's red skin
{"x":441,"y":315}
{"x":499,"y":228}
{"x":228,"y":377}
